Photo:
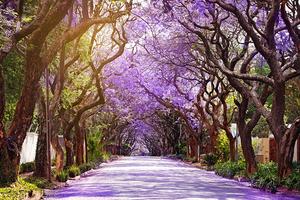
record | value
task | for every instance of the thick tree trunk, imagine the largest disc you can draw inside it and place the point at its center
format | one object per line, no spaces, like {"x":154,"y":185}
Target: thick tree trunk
{"x":42,"y":165}
{"x":69,"y":150}
{"x":9,"y":162}
{"x":232,"y":145}
{"x":246,"y":140}
{"x":286,"y":149}
{"x":79,"y":144}
{"x":248,"y":152}
{"x":232,"y":149}
{"x":69,"y":156}
{"x":59,"y":153}
{"x":41,"y":161}
{"x":213,"y":140}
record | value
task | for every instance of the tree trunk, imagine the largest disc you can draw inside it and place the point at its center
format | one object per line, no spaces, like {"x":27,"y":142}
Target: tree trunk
{"x":248,"y":152}
{"x":246,"y":140}
{"x":59,"y":153}
{"x":9,"y":162}
{"x":41,"y":161}
{"x":69,"y":156}
{"x":232,"y":149}
{"x":42,"y":165}
{"x":286,"y":149}
{"x":79,"y":144}
{"x":232,"y":145}
{"x":213,"y":140}
{"x":69,"y":150}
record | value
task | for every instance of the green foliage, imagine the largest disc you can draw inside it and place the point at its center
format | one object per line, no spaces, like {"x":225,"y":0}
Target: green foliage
{"x":62,"y":176}
{"x":18,"y":190}
{"x":266,"y":177}
{"x":261,"y":129}
{"x":39,"y":182}
{"x":223,"y":150}
{"x":94,"y":146}
{"x":27,"y":167}
{"x":13,"y":75}
{"x":182,"y":148}
{"x":105,"y":156}
{"x":86,"y":167}
{"x":230,"y":169}
{"x":293,"y":180}
{"x":292,"y":101}
{"x":210,"y":159}
{"x":73,"y":171}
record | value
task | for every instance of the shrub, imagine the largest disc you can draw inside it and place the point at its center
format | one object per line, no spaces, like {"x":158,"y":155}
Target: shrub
{"x":27,"y":167}
{"x":293,"y":180}
{"x":223,"y":146}
{"x":62,"y":176}
{"x":266,"y":177}
{"x":86,"y":167}
{"x":105,"y":156}
{"x":18,"y":190}
{"x":39,"y":182}
{"x":230,"y":169}
{"x":210,"y":159}
{"x":73,"y":171}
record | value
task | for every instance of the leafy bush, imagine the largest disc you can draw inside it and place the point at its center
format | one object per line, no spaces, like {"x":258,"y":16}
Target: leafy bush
{"x":93,"y":145}
{"x":73,"y":171}
{"x":293,"y":180}
{"x":39,"y":182}
{"x":18,"y":190}
{"x":86,"y":167}
{"x":210,"y":159}
{"x":105,"y":156}
{"x":62,"y":176}
{"x":223,"y":146}
{"x":230,"y":169}
{"x":266,"y":177}
{"x":27,"y":167}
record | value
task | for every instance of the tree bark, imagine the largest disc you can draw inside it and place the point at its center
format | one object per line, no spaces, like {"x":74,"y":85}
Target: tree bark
{"x":232,"y":149}
{"x":213,"y":139}
{"x":286,"y":149}
{"x":79,"y":144}
{"x":246,"y":140}
{"x":9,"y":168}
{"x":69,"y":150}
{"x":42,"y":168}
{"x":59,"y":153}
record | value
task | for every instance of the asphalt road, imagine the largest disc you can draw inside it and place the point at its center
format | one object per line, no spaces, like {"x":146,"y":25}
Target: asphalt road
{"x":156,"y":178}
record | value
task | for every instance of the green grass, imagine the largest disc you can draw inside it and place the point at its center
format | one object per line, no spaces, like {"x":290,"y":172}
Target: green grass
{"x":19,"y":190}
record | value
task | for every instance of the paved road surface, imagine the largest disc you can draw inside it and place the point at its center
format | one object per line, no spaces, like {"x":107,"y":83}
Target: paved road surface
{"x":156,"y":178}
